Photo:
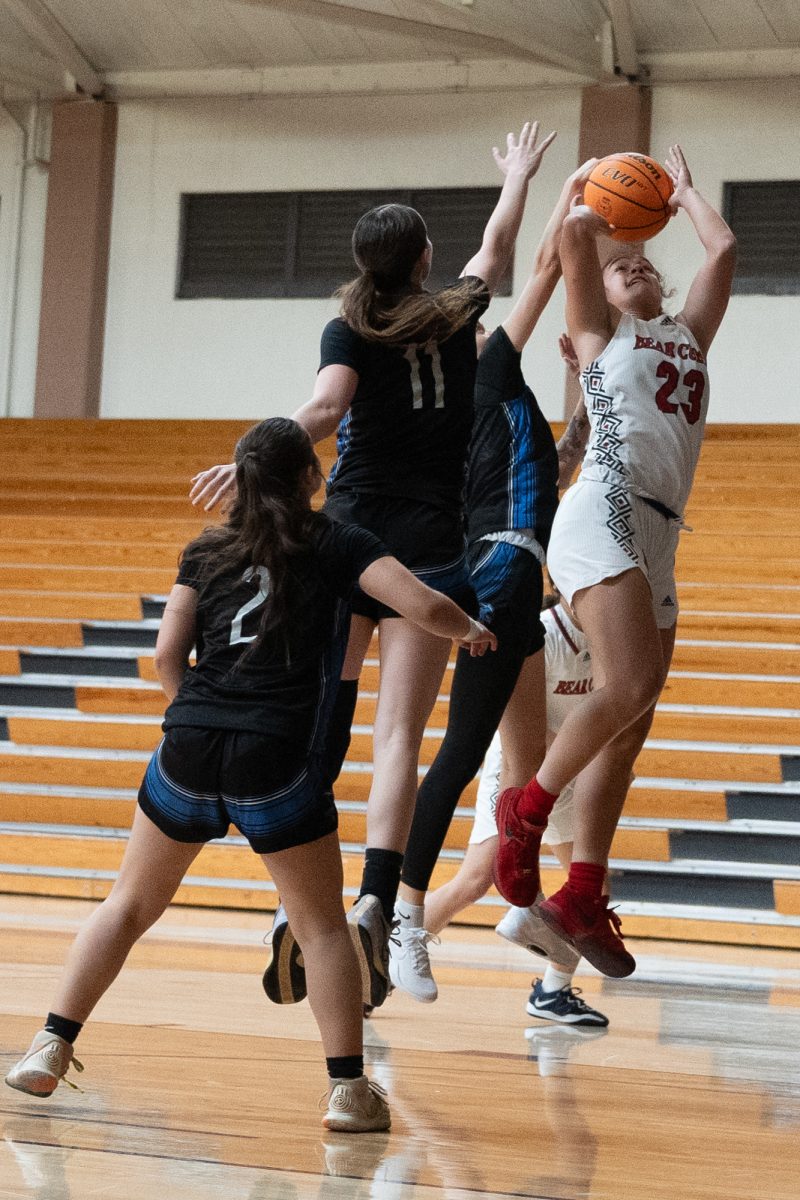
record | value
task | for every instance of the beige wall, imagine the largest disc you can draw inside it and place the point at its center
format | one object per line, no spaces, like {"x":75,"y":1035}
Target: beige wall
{"x":248,"y":358}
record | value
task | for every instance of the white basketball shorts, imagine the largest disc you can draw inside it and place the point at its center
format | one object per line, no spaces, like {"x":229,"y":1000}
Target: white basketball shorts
{"x":559,"y":825}
{"x":601,"y":530}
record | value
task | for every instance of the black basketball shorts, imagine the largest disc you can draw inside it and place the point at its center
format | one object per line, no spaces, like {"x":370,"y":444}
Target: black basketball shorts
{"x":201,"y":781}
{"x":426,"y":539}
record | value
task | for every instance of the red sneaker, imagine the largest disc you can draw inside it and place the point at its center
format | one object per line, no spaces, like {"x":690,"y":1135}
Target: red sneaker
{"x":594,"y":930}
{"x":516,"y":865}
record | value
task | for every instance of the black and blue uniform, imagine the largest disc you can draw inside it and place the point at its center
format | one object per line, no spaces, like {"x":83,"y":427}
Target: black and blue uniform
{"x":244,"y":737}
{"x":512,"y":496}
{"x":402,"y":448}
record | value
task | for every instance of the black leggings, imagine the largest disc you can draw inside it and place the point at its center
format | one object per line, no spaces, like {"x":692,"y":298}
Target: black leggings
{"x":480,"y":692}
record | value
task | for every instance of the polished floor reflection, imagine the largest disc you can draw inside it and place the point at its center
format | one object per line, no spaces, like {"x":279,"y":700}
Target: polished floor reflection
{"x":195,"y":1087}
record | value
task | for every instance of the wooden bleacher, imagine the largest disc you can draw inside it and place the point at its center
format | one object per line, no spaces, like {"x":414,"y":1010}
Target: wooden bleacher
{"x":93,"y":517}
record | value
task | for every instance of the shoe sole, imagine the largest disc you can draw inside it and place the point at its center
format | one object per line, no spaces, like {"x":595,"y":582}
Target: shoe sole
{"x":521,"y":892}
{"x":40,"y":1085}
{"x":342,"y":1124}
{"x":374,"y":984}
{"x":551,"y":946}
{"x":574,"y":1022}
{"x":284,"y":980}
{"x":598,"y":955}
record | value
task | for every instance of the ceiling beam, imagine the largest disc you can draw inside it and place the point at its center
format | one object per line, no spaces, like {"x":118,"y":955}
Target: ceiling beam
{"x":444,"y":25}
{"x":39,"y":23}
{"x":782,"y":62}
{"x":428,"y":77}
{"x":34,"y":73}
{"x":626,"y":57}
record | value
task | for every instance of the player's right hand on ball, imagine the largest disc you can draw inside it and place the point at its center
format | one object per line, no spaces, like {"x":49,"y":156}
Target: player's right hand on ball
{"x":587,"y":216}
{"x":478,"y":640}
{"x":213,"y":485}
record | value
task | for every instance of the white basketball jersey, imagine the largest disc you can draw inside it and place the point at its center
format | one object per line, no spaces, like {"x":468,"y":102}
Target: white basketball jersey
{"x":646,"y":399}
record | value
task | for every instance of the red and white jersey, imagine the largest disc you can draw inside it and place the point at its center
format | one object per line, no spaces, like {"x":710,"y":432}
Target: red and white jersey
{"x":646,"y":399}
{"x":568,"y":667}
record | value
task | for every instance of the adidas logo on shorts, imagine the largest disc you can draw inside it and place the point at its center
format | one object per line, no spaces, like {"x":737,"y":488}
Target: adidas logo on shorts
{"x":668,"y":602}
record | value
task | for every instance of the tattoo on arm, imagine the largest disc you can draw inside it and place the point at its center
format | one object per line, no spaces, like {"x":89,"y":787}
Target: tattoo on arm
{"x":572,"y":444}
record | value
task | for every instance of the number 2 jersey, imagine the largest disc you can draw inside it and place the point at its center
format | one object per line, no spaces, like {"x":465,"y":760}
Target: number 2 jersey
{"x":286,"y":688}
{"x":407,"y":430}
{"x":646,"y":399}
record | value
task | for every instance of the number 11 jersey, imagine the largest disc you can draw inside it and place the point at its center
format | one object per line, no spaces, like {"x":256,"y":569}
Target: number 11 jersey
{"x":647,"y":398}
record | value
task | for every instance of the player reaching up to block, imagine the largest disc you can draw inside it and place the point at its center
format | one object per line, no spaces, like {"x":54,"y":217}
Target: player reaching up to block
{"x":396,"y":380}
{"x":265,"y":598}
{"x":512,"y":494}
{"x":612,"y":549}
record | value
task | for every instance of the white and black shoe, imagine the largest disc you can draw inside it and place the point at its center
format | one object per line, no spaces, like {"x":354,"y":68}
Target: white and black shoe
{"x":524,"y":927}
{"x":564,"y":1005}
{"x":284,"y":980}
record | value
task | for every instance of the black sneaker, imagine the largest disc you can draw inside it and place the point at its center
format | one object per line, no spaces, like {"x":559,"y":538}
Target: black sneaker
{"x":284,"y":980}
{"x":564,"y":1005}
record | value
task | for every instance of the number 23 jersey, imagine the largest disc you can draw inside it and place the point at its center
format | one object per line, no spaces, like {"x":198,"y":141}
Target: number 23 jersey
{"x":646,"y":398}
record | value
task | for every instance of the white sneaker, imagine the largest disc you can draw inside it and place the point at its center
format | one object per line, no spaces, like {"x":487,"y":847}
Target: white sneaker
{"x":524,"y":927}
{"x":357,"y":1106}
{"x":45,"y":1064}
{"x":410,"y":964}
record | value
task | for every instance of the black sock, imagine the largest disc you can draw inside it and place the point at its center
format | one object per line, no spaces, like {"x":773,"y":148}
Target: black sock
{"x":66,"y":1029}
{"x":337,"y":738}
{"x":381,"y":878}
{"x":349,"y":1066}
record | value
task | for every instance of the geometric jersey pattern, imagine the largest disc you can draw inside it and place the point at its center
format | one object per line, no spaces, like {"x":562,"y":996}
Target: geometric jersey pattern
{"x":607,"y":446}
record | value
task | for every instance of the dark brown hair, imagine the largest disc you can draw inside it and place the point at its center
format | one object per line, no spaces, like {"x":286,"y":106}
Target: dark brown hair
{"x":270,"y":523}
{"x":382,"y":304}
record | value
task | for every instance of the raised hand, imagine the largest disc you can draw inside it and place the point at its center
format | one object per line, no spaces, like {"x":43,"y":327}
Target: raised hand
{"x":587,"y":217}
{"x":213,"y":485}
{"x":523,"y":156}
{"x":681,"y":176}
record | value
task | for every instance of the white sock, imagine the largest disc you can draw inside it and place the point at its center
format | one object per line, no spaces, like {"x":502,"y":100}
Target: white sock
{"x":554,"y":980}
{"x":410,"y":916}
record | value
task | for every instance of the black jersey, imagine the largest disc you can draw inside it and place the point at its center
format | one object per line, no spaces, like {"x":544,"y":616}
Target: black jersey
{"x":407,"y":430}
{"x":513,"y":462}
{"x":286,"y":688}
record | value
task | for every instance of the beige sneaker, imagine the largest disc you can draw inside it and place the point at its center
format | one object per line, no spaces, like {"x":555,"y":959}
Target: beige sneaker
{"x":357,"y":1106}
{"x":44,"y":1066}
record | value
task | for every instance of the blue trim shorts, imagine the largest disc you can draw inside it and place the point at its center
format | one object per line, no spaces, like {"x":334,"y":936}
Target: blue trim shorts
{"x":201,"y":781}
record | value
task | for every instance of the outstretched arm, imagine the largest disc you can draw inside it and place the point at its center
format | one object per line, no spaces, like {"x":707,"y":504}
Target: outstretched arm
{"x":588,"y":318}
{"x":711,"y":288}
{"x":524,"y":316}
{"x":389,"y":581}
{"x":519,"y":164}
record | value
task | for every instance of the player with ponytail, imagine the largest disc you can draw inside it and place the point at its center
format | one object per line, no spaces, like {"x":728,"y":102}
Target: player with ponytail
{"x":265,"y":598}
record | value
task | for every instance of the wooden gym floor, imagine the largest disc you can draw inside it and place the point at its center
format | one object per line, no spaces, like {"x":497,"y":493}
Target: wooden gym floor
{"x":195,"y":1087}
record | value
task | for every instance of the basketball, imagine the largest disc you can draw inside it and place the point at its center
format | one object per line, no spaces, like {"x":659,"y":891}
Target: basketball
{"x":630,"y":191}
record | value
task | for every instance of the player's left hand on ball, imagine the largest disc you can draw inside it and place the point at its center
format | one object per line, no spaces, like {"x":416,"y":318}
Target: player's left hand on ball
{"x":213,"y":485}
{"x":578,"y":211}
{"x":678,"y":171}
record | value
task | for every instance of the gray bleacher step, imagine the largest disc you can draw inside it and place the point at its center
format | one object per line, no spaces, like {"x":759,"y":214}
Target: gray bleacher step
{"x":790,"y":767}
{"x":766,"y":804}
{"x":81,"y":662}
{"x":153,"y":607}
{"x":138,"y":634}
{"x":731,"y":844}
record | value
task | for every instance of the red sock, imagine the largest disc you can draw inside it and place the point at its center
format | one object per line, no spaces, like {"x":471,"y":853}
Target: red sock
{"x":535,"y":804}
{"x":587,"y":879}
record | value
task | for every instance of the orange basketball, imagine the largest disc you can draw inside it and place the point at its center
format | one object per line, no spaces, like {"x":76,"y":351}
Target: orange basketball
{"x":630,"y":191}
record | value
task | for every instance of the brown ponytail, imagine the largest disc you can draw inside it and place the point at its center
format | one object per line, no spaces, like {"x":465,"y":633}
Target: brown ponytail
{"x":269,"y":524}
{"x":382,"y":304}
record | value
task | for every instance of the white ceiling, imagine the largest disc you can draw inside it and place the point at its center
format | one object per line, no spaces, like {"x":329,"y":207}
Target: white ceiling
{"x":179,"y":47}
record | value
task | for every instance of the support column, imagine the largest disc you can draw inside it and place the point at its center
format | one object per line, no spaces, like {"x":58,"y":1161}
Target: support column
{"x":614,"y":117}
{"x":75,"y":269}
